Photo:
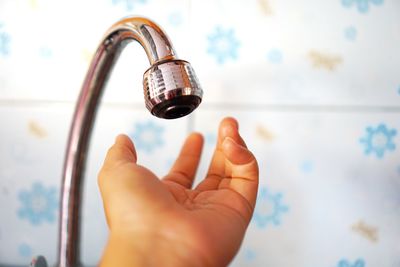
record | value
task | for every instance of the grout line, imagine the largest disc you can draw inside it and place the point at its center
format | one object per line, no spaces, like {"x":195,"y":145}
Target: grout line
{"x":303,"y":107}
{"x":32,"y":102}
{"x":220,"y":106}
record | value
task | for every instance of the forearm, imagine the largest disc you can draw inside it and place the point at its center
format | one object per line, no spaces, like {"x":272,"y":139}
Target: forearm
{"x":136,"y":251}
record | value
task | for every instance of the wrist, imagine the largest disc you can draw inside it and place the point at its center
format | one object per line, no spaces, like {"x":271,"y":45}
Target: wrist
{"x":149,"y":249}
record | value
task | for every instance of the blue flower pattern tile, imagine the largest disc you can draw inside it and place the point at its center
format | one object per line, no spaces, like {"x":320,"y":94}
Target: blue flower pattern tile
{"x":249,"y":255}
{"x":45,"y":52}
{"x":223,"y":45}
{"x":275,"y":56}
{"x":128,"y":4}
{"x":362,"y":5}
{"x":379,"y":140}
{"x":307,"y":166}
{"x":4,"y":41}
{"x":38,"y":205}
{"x":350,"y":33}
{"x":175,"y":18}
{"x":148,"y":136}
{"x":25,"y":250}
{"x":263,"y":214}
{"x":256,"y":77}
{"x":346,"y":263}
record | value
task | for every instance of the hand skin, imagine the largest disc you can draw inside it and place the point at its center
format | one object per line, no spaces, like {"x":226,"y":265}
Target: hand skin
{"x":164,"y":222}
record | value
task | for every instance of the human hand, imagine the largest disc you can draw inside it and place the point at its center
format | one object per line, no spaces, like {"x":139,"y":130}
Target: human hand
{"x":165,"y":222}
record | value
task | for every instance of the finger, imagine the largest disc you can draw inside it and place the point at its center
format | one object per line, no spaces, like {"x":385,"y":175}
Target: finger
{"x":184,"y":169}
{"x":126,"y":186}
{"x":216,"y":172}
{"x":243,"y":170}
{"x":122,"y":151}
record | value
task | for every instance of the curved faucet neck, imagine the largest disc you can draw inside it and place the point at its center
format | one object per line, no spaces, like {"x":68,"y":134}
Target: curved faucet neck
{"x":155,"y":42}
{"x":158,"y":48}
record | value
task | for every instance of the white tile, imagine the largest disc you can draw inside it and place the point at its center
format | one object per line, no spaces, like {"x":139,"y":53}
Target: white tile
{"x":157,"y":143}
{"x":32,"y":147}
{"x":308,"y":80}
{"x":292,"y":54}
{"x":52,"y":64}
{"x":32,"y":150}
{"x":314,"y":61}
{"x":316,"y":161}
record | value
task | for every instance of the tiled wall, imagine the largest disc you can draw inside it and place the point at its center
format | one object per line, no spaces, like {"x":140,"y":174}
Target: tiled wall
{"x":314,"y":84}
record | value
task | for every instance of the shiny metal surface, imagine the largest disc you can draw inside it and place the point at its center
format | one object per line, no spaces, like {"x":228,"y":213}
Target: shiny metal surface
{"x":179,"y":95}
{"x":170,"y":80}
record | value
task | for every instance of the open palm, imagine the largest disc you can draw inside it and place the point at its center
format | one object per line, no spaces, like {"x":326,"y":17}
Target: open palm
{"x":206,"y":223}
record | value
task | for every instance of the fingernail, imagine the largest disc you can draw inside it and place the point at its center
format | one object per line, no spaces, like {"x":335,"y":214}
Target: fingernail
{"x":228,"y":130}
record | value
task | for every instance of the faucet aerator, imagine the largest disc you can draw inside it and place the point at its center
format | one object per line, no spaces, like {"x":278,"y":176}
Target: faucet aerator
{"x":171,"y":89}
{"x":177,"y":107}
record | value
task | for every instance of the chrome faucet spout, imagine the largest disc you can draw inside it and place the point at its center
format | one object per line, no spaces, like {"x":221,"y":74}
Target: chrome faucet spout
{"x":171,"y":90}
{"x":154,"y":41}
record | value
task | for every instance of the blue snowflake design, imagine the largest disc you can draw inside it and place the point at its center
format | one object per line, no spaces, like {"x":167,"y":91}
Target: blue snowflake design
{"x":379,"y":140}
{"x":362,"y":5}
{"x":223,"y":45}
{"x":45,"y":52}
{"x":263,"y":215}
{"x":148,"y":136}
{"x":307,"y":166}
{"x":129,"y":4}
{"x":4,"y":42}
{"x":350,"y":33}
{"x":38,"y":204}
{"x":346,"y":263}
{"x":24,"y":250}
{"x":175,"y":18}
{"x":275,"y":56}
{"x":249,"y":254}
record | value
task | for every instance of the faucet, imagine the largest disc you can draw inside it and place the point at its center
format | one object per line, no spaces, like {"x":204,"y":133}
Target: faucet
{"x":171,"y":90}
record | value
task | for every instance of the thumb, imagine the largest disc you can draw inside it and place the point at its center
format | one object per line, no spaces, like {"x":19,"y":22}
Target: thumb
{"x":120,"y":175}
{"x":128,"y":190}
{"x":123,"y":151}
{"x":112,"y":176}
